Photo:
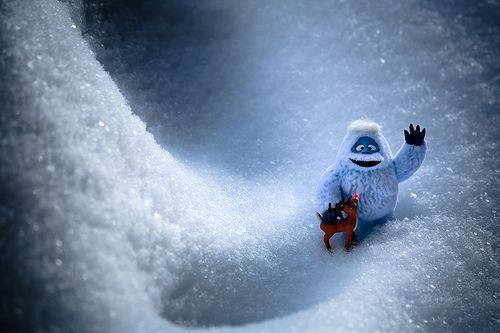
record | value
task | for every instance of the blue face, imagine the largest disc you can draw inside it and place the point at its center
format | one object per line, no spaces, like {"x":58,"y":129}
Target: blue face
{"x":365,"y":145}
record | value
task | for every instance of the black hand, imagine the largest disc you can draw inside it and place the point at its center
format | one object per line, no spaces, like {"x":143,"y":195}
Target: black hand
{"x":338,"y":211}
{"x":415,"y":136}
{"x":329,"y":215}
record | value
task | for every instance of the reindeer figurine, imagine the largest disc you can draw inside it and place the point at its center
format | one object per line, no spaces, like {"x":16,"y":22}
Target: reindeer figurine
{"x":340,"y":224}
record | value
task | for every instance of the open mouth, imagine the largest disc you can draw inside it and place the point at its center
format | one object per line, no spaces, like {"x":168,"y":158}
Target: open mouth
{"x":365,"y":164}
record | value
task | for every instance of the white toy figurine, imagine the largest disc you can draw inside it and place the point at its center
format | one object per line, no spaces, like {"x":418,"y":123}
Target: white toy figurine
{"x":365,"y":165}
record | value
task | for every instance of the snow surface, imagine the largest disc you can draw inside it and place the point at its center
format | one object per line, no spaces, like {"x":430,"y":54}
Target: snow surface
{"x":158,"y":162}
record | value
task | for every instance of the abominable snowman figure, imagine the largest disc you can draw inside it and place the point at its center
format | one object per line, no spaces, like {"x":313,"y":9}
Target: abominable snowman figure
{"x":365,"y":165}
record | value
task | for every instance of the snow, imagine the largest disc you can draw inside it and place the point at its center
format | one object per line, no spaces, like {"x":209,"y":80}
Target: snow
{"x":158,"y":163}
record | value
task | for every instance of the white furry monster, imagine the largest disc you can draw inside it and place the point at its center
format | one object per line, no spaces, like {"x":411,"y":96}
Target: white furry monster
{"x":365,"y":165}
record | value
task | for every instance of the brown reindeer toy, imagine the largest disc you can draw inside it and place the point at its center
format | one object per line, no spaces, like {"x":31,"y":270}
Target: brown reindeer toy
{"x":333,"y":221}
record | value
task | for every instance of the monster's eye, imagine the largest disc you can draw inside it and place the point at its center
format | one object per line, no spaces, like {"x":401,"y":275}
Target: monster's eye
{"x":360,"y":147}
{"x":372,"y":147}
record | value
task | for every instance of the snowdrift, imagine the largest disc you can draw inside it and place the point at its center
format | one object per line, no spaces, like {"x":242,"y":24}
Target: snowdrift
{"x":158,"y":163}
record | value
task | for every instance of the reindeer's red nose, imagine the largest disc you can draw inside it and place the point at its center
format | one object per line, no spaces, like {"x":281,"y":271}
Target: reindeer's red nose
{"x":356,"y":196}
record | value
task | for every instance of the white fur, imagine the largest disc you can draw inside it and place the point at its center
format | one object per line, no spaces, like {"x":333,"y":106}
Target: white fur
{"x":366,"y":126}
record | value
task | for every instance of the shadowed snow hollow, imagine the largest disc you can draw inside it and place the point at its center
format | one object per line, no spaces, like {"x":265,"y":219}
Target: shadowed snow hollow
{"x":158,"y":161}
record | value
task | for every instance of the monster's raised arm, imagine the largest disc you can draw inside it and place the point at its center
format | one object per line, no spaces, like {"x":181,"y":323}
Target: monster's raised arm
{"x":411,"y":155}
{"x":328,"y":190}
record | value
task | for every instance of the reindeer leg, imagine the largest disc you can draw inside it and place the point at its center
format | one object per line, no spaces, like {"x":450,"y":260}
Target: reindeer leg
{"x":348,"y":238}
{"x":353,"y":238}
{"x":326,"y":240}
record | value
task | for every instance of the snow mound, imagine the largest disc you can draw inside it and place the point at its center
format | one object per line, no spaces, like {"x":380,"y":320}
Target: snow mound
{"x":157,"y":166}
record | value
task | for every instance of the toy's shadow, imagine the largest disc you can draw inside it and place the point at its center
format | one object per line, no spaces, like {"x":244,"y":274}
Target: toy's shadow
{"x":407,"y":207}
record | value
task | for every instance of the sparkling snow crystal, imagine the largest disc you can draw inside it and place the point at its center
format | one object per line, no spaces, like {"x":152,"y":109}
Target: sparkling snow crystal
{"x":159,"y":161}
